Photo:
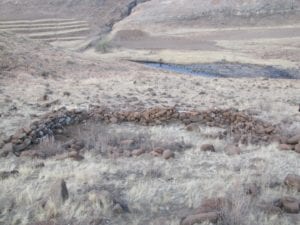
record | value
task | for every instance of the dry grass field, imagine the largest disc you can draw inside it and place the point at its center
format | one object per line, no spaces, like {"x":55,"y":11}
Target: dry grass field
{"x":89,"y":137}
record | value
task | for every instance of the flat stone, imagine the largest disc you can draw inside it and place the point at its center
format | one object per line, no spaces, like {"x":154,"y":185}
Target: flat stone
{"x":293,"y":140}
{"x":285,"y":147}
{"x":138,"y":152}
{"x":211,"y":217}
{"x":290,"y":205}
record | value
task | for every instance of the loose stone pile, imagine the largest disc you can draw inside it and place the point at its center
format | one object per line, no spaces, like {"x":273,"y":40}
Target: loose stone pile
{"x":239,"y":126}
{"x":290,"y":143}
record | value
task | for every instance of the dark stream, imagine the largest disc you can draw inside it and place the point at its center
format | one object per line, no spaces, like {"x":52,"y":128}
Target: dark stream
{"x":225,"y":69}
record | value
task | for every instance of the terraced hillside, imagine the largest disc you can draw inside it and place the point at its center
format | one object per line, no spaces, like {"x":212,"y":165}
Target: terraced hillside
{"x":68,"y":23}
{"x":50,"y":30}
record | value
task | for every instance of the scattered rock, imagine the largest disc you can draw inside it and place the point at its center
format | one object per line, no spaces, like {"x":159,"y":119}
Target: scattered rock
{"x":17,"y":148}
{"x":269,"y":208}
{"x":297,"y":148}
{"x":167,"y":154}
{"x":155,"y":154}
{"x":292,"y":181}
{"x":30,"y":154}
{"x":192,"y":127}
{"x":6,"y":174}
{"x":285,"y":147}
{"x":78,"y":145}
{"x":138,"y":152}
{"x":290,"y":205}
{"x":213,"y":204}
{"x":211,"y":217}
{"x":59,"y":192}
{"x":39,"y":165}
{"x":75,"y":156}
{"x":117,"y":209}
{"x":45,"y":223}
{"x":232,"y":150}
{"x":252,"y":189}
{"x":66,"y":93}
{"x":293,"y":140}
{"x":158,"y":150}
{"x":208,"y":148}
{"x":6,"y":149}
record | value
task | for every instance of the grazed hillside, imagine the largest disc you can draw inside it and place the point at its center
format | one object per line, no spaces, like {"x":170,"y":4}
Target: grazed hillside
{"x":90,"y":138}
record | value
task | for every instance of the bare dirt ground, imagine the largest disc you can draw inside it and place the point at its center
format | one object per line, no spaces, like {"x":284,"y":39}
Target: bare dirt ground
{"x":117,"y":172}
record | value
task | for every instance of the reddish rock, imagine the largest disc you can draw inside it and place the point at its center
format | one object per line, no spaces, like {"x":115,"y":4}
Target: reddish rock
{"x":285,"y":147}
{"x":127,"y":142}
{"x":155,"y":154}
{"x":138,"y":152}
{"x":208,"y":148}
{"x":158,"y":150}
{"x":167,"y":154}
{"x":292,"y":181}
{"x":293,"y":140}
{"x":30,"y":154}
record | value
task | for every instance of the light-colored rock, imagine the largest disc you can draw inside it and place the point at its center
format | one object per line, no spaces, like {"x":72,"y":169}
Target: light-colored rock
{"x":232,"y":150}
{"x":59,"y":192}
{"x":168,"y":154}
{"x":6,"y":149}
{"x":285,"y":147}
{"x":138,"y":152}
{"x":211,"y":217}
{"x":292,"y":181}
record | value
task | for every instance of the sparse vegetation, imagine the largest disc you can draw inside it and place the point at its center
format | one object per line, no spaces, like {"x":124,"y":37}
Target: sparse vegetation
{"x":88,"y":138}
